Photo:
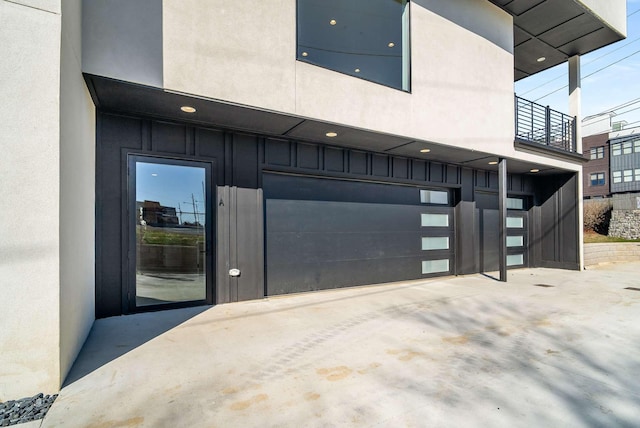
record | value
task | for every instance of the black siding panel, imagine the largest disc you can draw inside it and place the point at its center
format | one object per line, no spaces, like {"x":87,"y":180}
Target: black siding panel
{"x":419,"y":170}
{"x":308,"y":156}
{"x":168,"y":138}
{"x":245,"y":161}
{"x":278,"y":152}
{"x":436,"y":172}
{"x":334,"y":159}
{"x":357,"y":162}
{"x":380,"y":165}
{"x":400,"y":168}
{"x":466,"y":237}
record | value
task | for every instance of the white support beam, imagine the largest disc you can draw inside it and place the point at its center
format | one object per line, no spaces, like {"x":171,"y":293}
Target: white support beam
{"x":575,"y":97}
{"x":575,"y":110}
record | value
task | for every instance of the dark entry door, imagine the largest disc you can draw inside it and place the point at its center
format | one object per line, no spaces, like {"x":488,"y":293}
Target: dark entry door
{"x":324,"y":233}
{"x":170,"y":223}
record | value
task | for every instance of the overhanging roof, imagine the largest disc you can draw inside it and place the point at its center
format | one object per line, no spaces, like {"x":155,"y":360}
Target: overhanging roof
{"x":555,"y":30}
{"x":116,"y":96}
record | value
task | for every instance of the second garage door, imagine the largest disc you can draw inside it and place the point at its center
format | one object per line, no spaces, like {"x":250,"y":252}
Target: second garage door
{"x":324,"y":233}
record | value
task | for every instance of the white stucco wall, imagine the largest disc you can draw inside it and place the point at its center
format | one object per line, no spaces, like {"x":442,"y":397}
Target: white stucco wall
{"x":77,"y":193}
{"x":244,"y":53}
{"x":30,"y":194}
{"x":47,"y":171}
{"x":461,"y":56}
{"x":611,"y":12}
{"x":122,"y":39}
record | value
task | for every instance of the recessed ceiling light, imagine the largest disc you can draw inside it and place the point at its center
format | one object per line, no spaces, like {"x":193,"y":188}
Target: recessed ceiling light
{"x":331,"y":134}
{"x":534,"y":170}
{"x":493,"y":163}
{"x":425,"y":150}
{"x":188,"y":109}
{"x":541,"y":59}
{"x":357,"y":70}
{"x":304,"y":54}
{"x":391,"y":44}
{"x":332,"y":22}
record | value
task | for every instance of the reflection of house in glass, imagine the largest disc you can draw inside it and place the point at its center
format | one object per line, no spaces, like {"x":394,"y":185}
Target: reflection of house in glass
{"x":154,"y":214}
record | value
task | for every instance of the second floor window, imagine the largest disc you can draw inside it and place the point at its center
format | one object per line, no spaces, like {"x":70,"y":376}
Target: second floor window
{"x":617,"y":176}
{"x":625,"y":147}
{"x":597,"y":179}
{"x":597,"y":152}
{"x":368,"y":39}
{"x":626,"y":175}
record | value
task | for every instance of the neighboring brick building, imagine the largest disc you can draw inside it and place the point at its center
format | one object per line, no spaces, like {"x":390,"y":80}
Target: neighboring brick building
{"x":596,"y":175}
{"x":614,"y":163}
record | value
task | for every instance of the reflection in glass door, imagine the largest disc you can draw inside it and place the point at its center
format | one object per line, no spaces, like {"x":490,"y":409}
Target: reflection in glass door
{"x":170,"y":217}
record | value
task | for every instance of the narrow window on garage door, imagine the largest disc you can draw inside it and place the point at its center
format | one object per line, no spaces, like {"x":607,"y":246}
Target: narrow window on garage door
{"x":170,"y":225}
{"x":517,"y":232}
{"x":437,"y":232}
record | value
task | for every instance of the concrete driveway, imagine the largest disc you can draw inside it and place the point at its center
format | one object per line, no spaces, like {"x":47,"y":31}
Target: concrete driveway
{"x":550,"y":348}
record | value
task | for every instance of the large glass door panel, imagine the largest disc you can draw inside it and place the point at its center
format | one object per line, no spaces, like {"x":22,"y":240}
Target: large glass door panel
{"x":171,"y":219}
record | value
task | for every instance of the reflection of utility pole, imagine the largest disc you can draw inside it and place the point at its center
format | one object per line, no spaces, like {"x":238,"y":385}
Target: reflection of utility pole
{"x":195,"y":208}
{"x":194,"y":203}
{"x":179,"y":214}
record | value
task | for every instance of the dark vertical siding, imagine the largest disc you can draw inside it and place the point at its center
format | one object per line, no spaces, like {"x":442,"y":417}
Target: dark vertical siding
{"x":556,"y":222}
{"x":239,"y":161}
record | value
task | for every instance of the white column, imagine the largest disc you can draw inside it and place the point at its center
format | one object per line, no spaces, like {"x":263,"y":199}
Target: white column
{"x":575,"y":98}
{"x":575,"y":109}
{"x":502,"y":209}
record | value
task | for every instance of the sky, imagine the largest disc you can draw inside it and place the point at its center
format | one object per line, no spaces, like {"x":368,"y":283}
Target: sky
{"x":172,"y":186}
{"x":604,"y":90}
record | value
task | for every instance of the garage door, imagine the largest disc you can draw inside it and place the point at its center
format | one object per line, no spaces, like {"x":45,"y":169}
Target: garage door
{"x":324,"y":233}
{"x":517,"y":231}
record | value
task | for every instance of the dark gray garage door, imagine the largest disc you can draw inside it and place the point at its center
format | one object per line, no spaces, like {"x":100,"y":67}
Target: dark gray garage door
{"x":324,"y":233}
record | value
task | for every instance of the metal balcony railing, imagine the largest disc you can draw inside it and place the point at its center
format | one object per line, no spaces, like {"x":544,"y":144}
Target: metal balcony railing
{"x":538,"y":124}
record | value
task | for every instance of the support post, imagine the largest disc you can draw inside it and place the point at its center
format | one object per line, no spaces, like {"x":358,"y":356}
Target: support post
{"x":575,"y":99}
{"x":502,"y":209}
{"x":575,"y":110}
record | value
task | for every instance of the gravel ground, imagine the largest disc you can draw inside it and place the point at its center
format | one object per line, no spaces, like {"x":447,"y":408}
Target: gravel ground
{"x":25,"y":410}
